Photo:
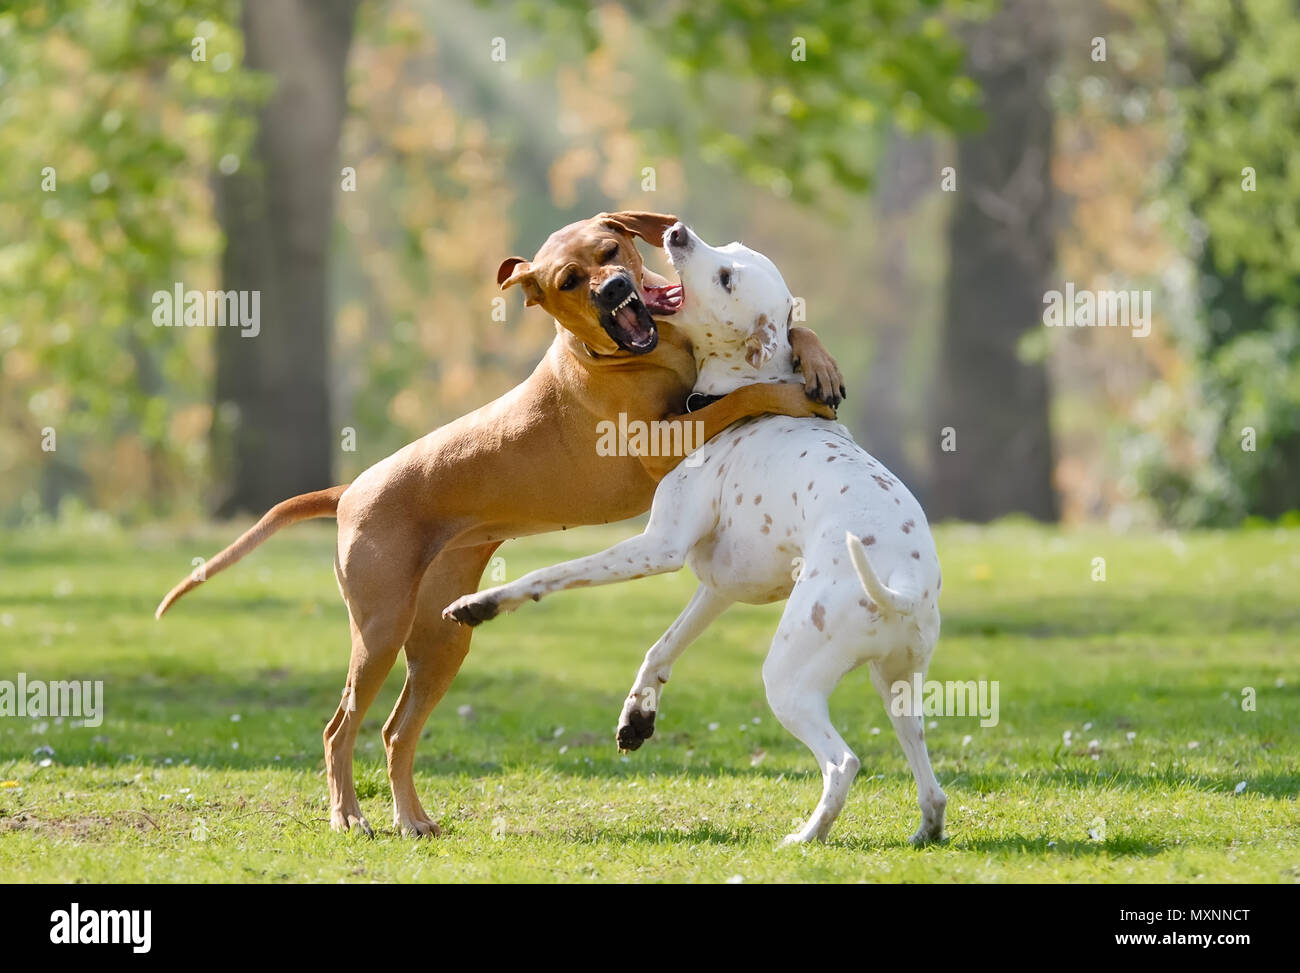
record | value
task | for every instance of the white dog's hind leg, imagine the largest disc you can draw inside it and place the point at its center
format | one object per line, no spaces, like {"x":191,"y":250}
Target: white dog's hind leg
{"x":636,"y":724}
{"x":910,"y":730}
{"x":801,"y":670}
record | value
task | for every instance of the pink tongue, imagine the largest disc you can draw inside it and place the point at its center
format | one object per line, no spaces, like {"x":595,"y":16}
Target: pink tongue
{"x":626,"y":318}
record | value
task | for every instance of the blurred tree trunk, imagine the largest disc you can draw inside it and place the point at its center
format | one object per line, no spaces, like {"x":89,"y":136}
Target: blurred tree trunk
{"x":1002,"y":256}
{"x":906,"y":176}
{"x":272,"y":436}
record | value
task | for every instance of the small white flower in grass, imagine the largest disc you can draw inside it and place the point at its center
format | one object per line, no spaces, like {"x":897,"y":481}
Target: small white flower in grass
{"x":736,"y":880}
{"x":46,"y":762}
{"x":1097,"y":830}
{"x":235,"y":717}
{"x":1051,"y":844}
{"x":465,"y":711}
{"x":713,"y":727}
{"x":559,"y":732}
{"x":1280,"y":682}
{"x":1066,"y":737}
{"x":200,"y":830}
{"x":743,"y":728}
{"x":934,"y":724}
{"x":1094,"y":746}
{"x":167,"y":762}
{"x":965,"y":741}
{"x":7,"y":620}
{"x":756,"y":721}
{"x":40,"y":728}
{"x":757,"y":757}
{"x":1192,"y":745}
{"x":1241,"y":786}
{"x":1130,"y":736}
{"x":1087,"y":727}
{"x":498,"y":827}
{"x":234,"y":744}
{"x":564,"y":749}
{"x":184,"y":790}
{"x":875,"y":731}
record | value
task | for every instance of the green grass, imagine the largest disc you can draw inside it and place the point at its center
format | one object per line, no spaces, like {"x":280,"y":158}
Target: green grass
{"x":173,"y":788}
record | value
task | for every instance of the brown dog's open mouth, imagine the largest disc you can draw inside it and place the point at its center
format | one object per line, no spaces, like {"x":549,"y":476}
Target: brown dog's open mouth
{"x":631,"y":325}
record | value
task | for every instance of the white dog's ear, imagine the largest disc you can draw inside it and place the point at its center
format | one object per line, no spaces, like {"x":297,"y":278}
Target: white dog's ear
{"x":761,"y":344}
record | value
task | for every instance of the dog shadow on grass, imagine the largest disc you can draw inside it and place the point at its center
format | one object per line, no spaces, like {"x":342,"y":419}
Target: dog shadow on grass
{"x":1013,"y":844}
{"x":515,"y":715}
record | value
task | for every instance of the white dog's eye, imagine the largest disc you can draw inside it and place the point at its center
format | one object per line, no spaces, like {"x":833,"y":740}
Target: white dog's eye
{"x":724,"y":278}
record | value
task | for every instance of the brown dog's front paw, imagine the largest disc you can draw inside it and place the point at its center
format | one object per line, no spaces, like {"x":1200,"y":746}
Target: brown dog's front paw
{"x":636,"y":729}
{"x":471,"y":610}
{"x":827,"y":396}
{"x":823,"y":379}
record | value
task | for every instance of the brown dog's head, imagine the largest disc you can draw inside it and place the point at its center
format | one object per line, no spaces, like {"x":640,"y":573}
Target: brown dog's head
{"x":590,"y":277}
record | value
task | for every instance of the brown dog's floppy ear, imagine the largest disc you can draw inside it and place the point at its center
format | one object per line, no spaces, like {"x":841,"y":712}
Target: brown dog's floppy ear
{"x":650,"y":227}
{"x":507,"y":270}
{"x":517,"y":270}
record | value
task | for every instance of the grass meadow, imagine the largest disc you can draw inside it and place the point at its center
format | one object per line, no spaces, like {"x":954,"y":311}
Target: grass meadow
{"x":1123,"y":752}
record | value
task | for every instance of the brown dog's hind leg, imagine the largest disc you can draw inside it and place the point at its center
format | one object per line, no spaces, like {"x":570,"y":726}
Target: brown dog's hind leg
{"x":380,"y":590}
{"x":435,"y":650}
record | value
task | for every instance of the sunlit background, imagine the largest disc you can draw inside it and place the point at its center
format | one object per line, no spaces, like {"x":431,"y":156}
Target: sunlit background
{"x":922,"y":172}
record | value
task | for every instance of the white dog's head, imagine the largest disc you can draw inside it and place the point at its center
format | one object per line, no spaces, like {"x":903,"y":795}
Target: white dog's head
{"x":733,"y":296}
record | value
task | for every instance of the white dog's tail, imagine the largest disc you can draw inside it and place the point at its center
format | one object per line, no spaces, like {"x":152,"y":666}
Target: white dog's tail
{"x":887,"y":599}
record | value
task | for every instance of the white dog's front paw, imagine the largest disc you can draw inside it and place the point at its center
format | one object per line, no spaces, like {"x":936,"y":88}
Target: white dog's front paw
{"x":474,"y":609}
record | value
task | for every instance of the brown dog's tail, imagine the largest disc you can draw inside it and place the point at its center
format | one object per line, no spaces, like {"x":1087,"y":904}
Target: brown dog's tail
{"x":322,"y":503}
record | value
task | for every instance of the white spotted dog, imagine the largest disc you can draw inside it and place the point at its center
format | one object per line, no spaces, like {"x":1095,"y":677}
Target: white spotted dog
{"x":772,"y":508}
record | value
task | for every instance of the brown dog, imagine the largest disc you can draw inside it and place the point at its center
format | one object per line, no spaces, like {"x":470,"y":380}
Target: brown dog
{"x":416,"y":530}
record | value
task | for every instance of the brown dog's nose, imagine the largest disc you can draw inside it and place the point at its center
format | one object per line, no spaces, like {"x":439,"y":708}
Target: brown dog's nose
{"x":678,"y":236}
{"x":613,"y":291}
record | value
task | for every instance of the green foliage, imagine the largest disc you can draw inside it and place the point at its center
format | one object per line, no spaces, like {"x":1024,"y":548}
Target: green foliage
{"x":793,"y":94}
{"x":109,"y":130}
{"x":1235,"y":183}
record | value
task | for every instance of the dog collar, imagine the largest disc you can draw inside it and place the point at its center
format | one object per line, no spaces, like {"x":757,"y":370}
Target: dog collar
{"x":596,"y":354}
{"x":698,"y":400}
